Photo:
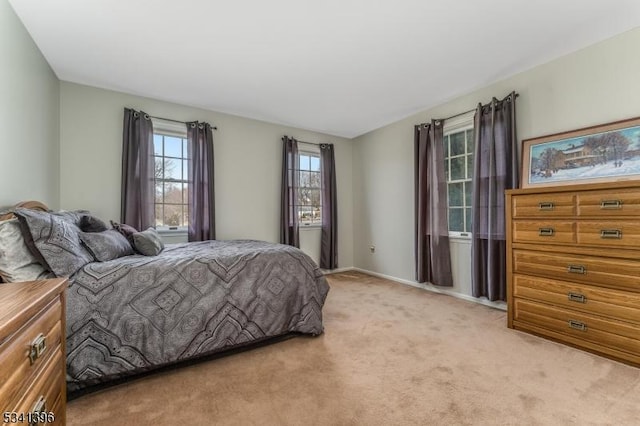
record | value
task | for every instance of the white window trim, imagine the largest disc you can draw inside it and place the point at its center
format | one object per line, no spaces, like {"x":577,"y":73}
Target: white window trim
{"x":461,"y":123}
{"x":457,"y":235}
{"x":170,"y":128}
{"x":309,"y":226}
{"x":168,"y":230}
{"x":315,"y":151}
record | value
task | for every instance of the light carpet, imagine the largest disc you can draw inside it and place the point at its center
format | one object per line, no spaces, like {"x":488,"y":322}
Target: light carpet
{"x":390,"y":355}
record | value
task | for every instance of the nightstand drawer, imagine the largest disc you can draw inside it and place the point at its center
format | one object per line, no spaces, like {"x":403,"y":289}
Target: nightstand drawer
{"x":32,"y":348}
{"x":46,"y":392}
{"x":616,"y":234}
{"x":551,"y":205}
{"x":24,"y":355}
{"x":609,"y":203}
{"x":615,"y":304}
{"x":544,"y":231}
{"x":614,"y":334}
{"x":600,"y":271}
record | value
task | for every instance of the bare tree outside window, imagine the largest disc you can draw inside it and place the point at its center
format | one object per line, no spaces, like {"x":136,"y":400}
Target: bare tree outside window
{"x":309,"y":198}
{"x":458,"y":153}
{"x":171,"y":181}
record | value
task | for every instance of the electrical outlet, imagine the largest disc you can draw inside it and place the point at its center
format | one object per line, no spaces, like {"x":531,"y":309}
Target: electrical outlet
{"x":372,"y":249}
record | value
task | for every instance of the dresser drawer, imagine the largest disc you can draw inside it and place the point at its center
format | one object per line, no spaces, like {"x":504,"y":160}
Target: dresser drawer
{"x":543,"y":205}
{"x":573,"y":265}
{"x":19,"y":364}
{"x":525,"y":231}
{"x":601,"y":271}
{"x":609,"y":204}
{"x":618,"y":233}
{"x":614,"y":334}
{"x":47,"y":390}
{"x":595,"y":300}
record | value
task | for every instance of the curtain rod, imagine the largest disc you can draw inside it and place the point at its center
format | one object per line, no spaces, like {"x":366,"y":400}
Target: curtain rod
{"x":466,"y":112}
{"x":311,"y":143}
{"x":176,"y":121}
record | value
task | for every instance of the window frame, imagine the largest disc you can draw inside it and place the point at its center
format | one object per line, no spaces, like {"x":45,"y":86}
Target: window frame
{"x":459,"y":124}
{"x":310,"y":153}
{"x":177,"y":130}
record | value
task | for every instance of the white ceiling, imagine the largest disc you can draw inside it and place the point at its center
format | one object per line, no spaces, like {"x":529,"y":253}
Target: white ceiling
{"x":342,"y":67}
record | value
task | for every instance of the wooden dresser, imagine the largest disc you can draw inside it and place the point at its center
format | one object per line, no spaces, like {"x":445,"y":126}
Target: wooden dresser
{"x":573,"y":265}
{"x":32,"y":352}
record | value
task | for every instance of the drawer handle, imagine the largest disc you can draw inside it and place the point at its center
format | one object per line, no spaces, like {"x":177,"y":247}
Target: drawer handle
{"x":546,"y":206}
{"x":38,"y":347}
{"x":611,"y":204}
{"x":577,"y":297}
{"x":576,"y":269}
{"x":39,"y":407}
{"x":577,"y":325}
{"x":611,"y":233}
{"x":546,"y":232}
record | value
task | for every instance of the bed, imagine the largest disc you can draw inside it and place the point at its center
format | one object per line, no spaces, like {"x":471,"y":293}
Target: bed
{"x":136,"y":313}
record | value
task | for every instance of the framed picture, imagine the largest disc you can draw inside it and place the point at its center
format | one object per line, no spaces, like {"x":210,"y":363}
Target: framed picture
{"x":604,"y":153}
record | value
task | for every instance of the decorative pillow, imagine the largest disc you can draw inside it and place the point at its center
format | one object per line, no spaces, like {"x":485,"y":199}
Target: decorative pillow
{"x":54,"y":241}
{"x":16,"y":261}
{"x":124,"y":229}
{"x":90,"y":223}
{"x":106,"y":245}
{"x":148,"y":242}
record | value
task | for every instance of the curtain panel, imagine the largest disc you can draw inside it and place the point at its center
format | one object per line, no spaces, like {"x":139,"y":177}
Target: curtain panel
{"x":202,"y":219}
{"x":433,"y":260}
{"x":329,"y":236}
{"x":137,"y":202}
{"x":495,"y":170}
{"x":289,"y":227}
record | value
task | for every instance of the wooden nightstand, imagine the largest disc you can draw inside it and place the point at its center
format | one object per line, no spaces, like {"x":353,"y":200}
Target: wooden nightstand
{"x":32,"y":352}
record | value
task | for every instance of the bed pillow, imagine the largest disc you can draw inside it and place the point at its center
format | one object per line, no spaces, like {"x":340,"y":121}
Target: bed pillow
{"x":54,"y":241}
{"x":107,"y":245}
{"x":148,"y":242}
{"x":71,"y":216}
{"x":124,"y":229}
{"x":16,"y":261}
{"x":90,"y":223}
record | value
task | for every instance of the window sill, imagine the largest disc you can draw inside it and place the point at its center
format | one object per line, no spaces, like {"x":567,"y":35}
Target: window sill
{"x":173,"y":232}
{"x":309,"y":227}
{"x":460,"y":237}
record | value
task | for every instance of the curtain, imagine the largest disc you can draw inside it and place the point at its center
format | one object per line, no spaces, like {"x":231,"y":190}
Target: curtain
{"x":137,"y":203}
{"x":289,"y":228}
{"x":202,"y":218}
{"x":329,"y":236}
{"x":495,"y":170}
{"x":433,"y":261}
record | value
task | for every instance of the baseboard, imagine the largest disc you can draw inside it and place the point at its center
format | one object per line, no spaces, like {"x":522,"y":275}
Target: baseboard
{"x":430,"y":287}
{"x":337,"y":271}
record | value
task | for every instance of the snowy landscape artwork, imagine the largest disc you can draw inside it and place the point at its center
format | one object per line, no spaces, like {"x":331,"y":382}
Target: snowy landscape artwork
{"x":602,"y":153}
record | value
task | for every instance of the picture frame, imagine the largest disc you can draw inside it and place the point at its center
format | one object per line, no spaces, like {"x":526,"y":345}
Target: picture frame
{"x":602,"y":153}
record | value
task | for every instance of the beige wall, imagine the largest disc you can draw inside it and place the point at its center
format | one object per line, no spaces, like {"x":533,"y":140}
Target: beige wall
{"x":247,"y":175}
{"x":596,"y":85}
{"x":62,"y":145}
{"x":29,"y":117}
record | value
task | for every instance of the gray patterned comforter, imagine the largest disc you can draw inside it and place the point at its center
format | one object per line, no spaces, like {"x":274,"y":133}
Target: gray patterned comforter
{"x":136,"y":313}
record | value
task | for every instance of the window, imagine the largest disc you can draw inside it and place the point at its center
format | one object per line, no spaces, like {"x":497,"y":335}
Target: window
{"x":458,"y":157}
{"x":171,"y":179}
{"x":309,"y":197}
